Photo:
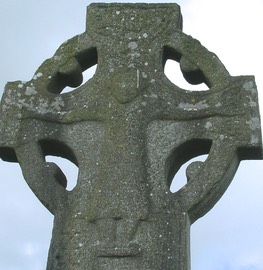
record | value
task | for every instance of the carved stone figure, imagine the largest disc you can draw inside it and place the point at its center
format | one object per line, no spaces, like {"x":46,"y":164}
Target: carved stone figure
{"x":129,"y":129}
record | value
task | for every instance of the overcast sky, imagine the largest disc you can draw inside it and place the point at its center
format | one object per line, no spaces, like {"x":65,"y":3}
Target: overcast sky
{"x":230,"y":236}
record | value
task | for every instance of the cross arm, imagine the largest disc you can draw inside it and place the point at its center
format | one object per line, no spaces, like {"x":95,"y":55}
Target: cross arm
{"x":198,"y":65}
{"x":40,"y":97}
{"x":234,"y":137}
{"x":40,"y":100}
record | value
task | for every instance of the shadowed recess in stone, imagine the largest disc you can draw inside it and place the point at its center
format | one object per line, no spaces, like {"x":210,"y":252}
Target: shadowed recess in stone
{"x":60,"y":156}
{"x":57,"y":148}
{"x":186,"y":172}
{"x":69,"y":169}
{"x":70,"y":72}
{"x":191,"y":72}
{"x":183,"y":153}
{"x":8,"y":154}
{"x":87,"y":75}
{"x":174,"y":74}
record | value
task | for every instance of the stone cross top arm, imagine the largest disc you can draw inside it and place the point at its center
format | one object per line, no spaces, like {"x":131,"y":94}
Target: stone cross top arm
{"x":129,"y":129}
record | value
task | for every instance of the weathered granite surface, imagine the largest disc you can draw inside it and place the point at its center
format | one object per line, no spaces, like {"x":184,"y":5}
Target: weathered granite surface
{"x":129,"y":129}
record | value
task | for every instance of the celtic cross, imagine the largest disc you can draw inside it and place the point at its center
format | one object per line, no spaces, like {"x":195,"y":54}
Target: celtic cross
{"x":129,"y":129}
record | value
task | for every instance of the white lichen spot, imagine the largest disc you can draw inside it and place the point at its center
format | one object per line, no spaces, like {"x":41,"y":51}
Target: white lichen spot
{"x":254,"y":140}
{"x":135,"y":55}
{"x":38,"y":75}
{"x":144,"y":75}
{"x":153,"y":96}
{"x":221,"y":137}
{"x":132,"y":18}
{"x":118,"y":12}
{"x":57,"y":58}
{"x":138,"y":78}
{"x":254,"y":123}
{"x":145,"y":35}
{"x":7,"y":101}
{"x":252,"y":103}
{"x":208,"y":125}
{"x":80,"y":245}
{"x":43,"y":106}
{"x":132,"y":45}
{"x":30,"y":91}
{"x":57,"y":104}
{"x":20,"y":85}
{"x":250,"y":86}
{"x":193,"y":107}
{"x":146,"y":63}
{"x":219,"y":104}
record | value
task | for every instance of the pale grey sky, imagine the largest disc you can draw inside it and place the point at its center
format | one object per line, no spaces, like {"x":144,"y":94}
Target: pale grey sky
{"x":230,"y":236}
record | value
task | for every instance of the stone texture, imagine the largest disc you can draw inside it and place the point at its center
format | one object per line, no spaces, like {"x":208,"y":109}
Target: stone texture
{"x":129,"y":130}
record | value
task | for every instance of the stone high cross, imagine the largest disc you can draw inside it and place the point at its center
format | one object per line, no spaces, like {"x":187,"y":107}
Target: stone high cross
{"x":129,"y":129}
